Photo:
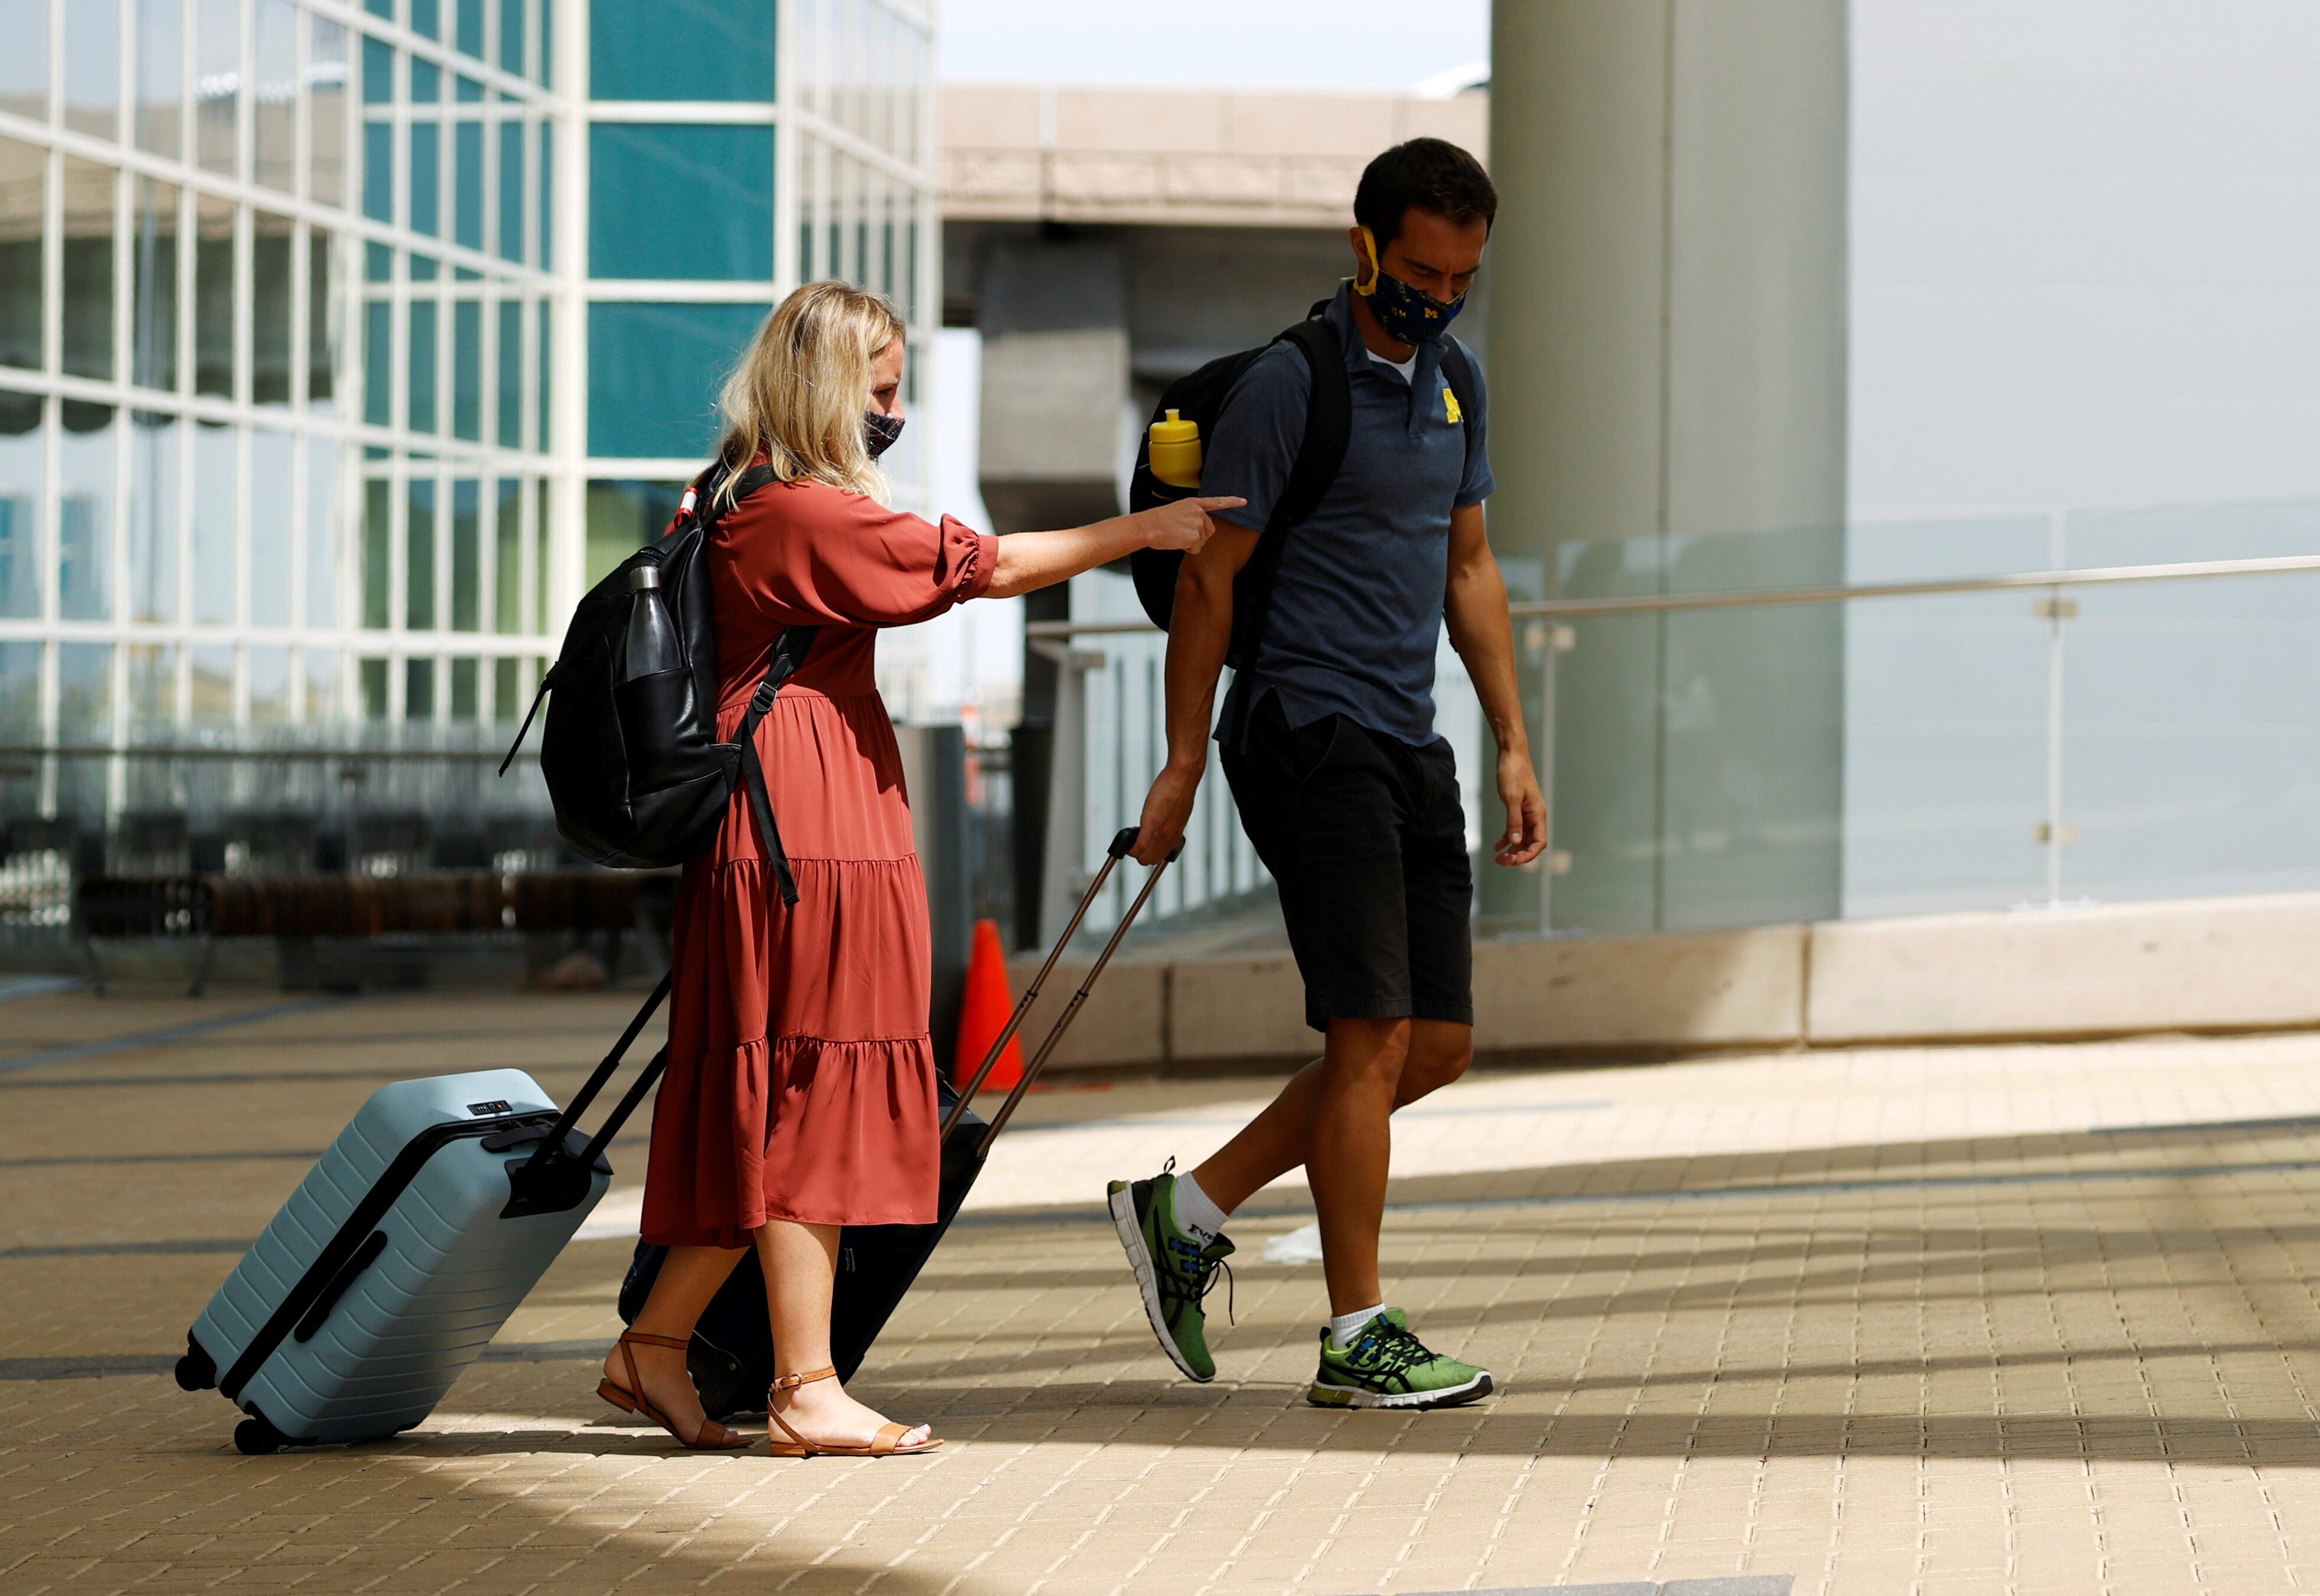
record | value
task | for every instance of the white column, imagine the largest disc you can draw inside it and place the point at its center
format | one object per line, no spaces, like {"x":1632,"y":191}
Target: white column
{"x":1667,"y":358}
{"x":567,"y":528}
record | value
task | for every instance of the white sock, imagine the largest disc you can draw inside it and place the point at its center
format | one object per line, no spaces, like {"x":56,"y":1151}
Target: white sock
{"x":1346,"y":1325}
{"x":1196,"y":1213}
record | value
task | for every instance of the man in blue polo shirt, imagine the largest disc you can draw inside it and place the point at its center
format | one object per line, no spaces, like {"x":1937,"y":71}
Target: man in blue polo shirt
{"x":1329,"y":744}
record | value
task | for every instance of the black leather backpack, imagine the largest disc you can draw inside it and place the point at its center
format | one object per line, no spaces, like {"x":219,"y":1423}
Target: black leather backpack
{"x":1200,"y":397}
{"x":630,"y":751}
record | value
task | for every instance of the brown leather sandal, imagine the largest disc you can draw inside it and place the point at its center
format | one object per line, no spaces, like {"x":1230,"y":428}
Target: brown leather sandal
{"x":712,"y":1437}
{"x":886,"y":1443}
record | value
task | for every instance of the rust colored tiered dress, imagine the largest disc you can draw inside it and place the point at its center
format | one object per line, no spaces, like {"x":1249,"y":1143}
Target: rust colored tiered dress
{"x":801,"y":1079}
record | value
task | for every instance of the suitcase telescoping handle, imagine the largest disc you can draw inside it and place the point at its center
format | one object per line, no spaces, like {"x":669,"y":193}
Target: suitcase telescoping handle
{"x":1118,"y":850}
{"x":545,"y":1181}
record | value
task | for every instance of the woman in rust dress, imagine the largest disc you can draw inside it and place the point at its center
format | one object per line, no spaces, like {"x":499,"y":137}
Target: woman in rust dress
{"x":799,"y":1096}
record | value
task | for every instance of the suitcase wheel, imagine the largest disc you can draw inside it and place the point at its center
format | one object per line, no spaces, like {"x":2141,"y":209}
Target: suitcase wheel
{"x":254,"y":1437}
{"x":196,"y":1372}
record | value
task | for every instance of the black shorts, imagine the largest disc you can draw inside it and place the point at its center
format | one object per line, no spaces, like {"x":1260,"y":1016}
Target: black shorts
{"x":1367,"y":843}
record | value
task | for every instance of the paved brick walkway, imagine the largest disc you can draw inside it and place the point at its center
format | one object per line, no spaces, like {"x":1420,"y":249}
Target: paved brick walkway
{"x":1994,"y":1319}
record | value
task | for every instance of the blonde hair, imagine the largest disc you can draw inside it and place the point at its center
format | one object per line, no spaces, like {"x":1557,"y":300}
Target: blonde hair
{"x":798,"y":392}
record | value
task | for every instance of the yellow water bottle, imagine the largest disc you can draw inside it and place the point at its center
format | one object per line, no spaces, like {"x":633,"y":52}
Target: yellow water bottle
{"x":1176,"y":451}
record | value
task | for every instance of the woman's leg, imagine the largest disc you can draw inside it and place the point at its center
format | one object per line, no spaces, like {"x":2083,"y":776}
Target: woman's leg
{"x":801,"y":1262}
{"x":689,"y":1276}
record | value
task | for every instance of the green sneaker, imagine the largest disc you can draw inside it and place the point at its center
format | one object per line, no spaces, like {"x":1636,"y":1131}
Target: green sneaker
{"x":1173,"y":1270}
{"x":1389,"y":1367}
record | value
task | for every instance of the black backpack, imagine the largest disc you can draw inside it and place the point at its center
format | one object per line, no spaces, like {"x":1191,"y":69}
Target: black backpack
{"x":1200,"y":397}
{"x":630,"y":751}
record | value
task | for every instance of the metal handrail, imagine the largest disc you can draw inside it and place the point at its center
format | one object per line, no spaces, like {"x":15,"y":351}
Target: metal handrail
{"x":297,"y":754}
{"x":1664,"y":604}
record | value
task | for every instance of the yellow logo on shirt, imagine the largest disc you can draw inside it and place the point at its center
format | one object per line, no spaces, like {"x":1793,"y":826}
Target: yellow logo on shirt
{"x":1450,"y":407}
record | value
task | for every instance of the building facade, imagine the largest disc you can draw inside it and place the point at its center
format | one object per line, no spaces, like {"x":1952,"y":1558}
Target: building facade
{"x":343,"y":342}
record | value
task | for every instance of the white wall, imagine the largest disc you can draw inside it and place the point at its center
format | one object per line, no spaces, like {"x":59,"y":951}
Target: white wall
{"x":2086,"y":251}
{"x":2084,"y":276}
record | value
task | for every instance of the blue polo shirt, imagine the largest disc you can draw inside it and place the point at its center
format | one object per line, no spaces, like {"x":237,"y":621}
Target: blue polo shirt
{"x":1356,"y":605}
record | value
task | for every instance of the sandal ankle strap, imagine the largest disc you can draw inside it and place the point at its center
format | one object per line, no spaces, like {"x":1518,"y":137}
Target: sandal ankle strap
{"x":792,"y":1381}
{"x":641,"y":1339}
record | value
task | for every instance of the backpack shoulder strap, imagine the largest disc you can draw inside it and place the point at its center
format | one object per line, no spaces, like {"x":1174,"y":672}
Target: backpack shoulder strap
{"x":1458,"y":371}
{"x":790,"y":650}
{"x":1329,"y":424}
{"x":1328,"y":430}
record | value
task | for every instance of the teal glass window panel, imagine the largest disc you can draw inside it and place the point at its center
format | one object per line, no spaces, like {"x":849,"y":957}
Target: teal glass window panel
{"x":155,"y":440}
{"x":378,"y":263}
{"x":466,"y":555}
{"x":681,"y":50}
{"x":268,"y":519}
{"x":546,"y":191}
{"x":467,"y":91}
{"x":681,"y":201}
{"x":385,"y":8}
{"x":512,"y":191}
{"x":23,"y":482}
{"x":379,"y":363}
{"x":463,"y":689}
{"x":422,"y":365}
{"x":216,"y":506}
{"x":425,"y":268}
{"x":419,"y":555}
{"x":378,"y":72}
{"x":512,"y":35}
{"x":85,"y":511}
{"x":427,"y":18}
{"x":322,"y":458}
{"x":418,"y":689}
{"x":547,"y":13}
{"x":510,"y":372}
{"x":467,"y":185}
{"x":426,"y":177}
{"x":426,"y":82}
{"x":370,"y":675}
{"x":621,"y":517}
{"x":471,"y":28}
{"x":653,"y":374}
{"x":379,"y":171}
{"x":378,"y":530}
{"x":467,"y":370}
{"x":507,"y":560}
{"x":547,"y":367}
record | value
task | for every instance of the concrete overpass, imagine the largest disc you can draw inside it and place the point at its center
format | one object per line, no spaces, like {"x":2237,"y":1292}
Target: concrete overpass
{"x":1106,"y":240}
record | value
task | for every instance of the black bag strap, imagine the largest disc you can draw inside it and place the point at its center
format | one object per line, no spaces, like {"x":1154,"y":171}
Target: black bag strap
{"x":1328,"y":431}
{"x":547,"y":680}
{"x":790,"y":650}
{"x":1458,"y":371}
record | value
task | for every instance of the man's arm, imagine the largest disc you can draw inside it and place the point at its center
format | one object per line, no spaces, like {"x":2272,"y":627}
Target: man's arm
{"x":1200,"y":630}
{"x":1474,"y":607}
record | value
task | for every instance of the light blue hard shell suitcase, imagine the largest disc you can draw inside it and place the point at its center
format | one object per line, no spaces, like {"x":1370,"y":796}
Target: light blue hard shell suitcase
{"x":403,"y":1252}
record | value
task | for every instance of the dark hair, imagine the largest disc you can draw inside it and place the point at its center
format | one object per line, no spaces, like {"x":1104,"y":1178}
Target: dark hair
{"x":1429,"y":174}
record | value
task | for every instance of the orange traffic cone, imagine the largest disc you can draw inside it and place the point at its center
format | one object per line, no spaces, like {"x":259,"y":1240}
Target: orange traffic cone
{"x":985,"y":1012}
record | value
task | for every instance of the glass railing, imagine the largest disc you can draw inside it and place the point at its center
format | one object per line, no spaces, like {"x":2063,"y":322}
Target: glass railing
{"x":2010,"y":710}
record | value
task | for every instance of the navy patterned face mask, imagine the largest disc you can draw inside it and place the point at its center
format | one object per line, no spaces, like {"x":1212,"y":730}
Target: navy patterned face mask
{"x":1406,"y":314}
{"x":879,"y":431}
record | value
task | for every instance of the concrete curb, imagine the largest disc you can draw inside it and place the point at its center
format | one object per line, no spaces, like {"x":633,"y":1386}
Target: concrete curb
{"x":2215,"y":964}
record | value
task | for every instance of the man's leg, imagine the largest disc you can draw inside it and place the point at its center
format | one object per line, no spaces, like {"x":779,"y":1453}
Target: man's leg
{"x":1351,"y":1147}
{"x":1280,"y":1138}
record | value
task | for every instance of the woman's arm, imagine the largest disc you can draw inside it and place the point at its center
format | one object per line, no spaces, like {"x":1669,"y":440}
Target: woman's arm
{"x":1031,"y":560}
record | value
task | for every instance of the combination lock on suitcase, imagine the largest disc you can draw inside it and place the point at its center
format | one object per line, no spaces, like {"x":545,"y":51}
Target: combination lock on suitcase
{"x":403,"y":1252}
